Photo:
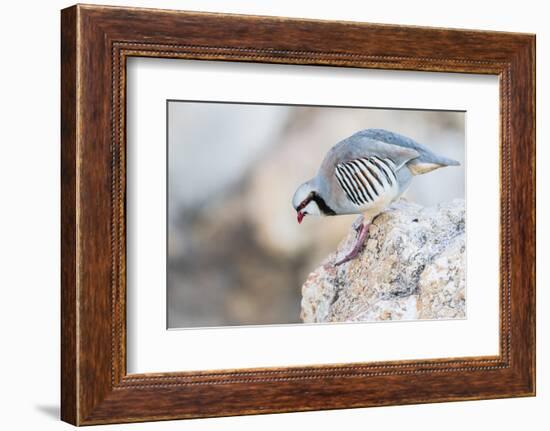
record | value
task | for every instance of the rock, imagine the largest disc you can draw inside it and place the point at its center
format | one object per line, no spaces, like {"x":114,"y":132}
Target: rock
{"x":413,"y":266}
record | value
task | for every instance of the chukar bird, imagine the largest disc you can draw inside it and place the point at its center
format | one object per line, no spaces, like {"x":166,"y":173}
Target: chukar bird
{"x":363,"y":174}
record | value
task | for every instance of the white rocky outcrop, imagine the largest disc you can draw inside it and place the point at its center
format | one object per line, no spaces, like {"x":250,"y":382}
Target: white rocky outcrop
{"x":413,"y":266}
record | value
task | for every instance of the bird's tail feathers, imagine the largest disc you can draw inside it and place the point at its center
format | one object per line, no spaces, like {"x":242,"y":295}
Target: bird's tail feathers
{"x":419,"y":166}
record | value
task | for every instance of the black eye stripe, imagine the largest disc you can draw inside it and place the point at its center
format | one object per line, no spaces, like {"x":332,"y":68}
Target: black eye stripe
{"x":304,"y":203}
{"x":321,"y":204}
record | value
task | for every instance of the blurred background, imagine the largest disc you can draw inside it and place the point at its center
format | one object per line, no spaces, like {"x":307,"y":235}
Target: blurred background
{"x":236,"y":255}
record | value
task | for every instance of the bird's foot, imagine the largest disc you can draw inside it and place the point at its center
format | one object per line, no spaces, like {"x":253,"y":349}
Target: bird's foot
{"x":362,"y":234}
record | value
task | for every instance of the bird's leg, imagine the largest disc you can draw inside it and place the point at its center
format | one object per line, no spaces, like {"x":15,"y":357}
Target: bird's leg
{"x":362,"y":234}
{"x":358,"y":224}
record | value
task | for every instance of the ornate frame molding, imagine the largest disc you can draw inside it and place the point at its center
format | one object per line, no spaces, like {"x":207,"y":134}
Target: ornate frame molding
{"x":96,"y":41}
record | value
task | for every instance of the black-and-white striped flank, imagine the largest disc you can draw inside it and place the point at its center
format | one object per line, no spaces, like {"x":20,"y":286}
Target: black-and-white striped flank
{"x":364,"y":180}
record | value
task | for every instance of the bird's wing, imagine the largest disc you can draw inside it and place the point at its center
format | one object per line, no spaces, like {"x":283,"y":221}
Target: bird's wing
{"x":365,"y":179}
{"x":357,"y":147}
{"x":426,"y":161}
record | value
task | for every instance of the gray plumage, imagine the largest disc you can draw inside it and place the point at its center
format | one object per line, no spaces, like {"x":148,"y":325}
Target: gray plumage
{"x":425,"y":154}
{"x":365,"y":173}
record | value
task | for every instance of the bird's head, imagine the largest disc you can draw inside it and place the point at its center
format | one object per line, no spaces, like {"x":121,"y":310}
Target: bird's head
{"x":305,"y":201}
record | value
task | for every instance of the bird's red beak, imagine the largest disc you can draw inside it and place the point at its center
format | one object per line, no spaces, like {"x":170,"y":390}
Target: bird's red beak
{"x":300,"y":216}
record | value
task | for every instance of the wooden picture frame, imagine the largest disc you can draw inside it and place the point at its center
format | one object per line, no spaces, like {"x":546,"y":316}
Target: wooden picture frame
{"x":95,"y":43}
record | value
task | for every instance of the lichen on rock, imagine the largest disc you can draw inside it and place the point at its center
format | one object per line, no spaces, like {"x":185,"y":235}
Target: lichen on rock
{"x":413,"y":266}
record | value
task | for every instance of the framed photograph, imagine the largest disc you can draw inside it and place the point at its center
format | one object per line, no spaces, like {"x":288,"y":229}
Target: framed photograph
{"x":263,"y":214}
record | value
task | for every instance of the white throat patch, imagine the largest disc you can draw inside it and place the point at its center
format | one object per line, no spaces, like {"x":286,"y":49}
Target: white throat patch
{"x":312,"y":209}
